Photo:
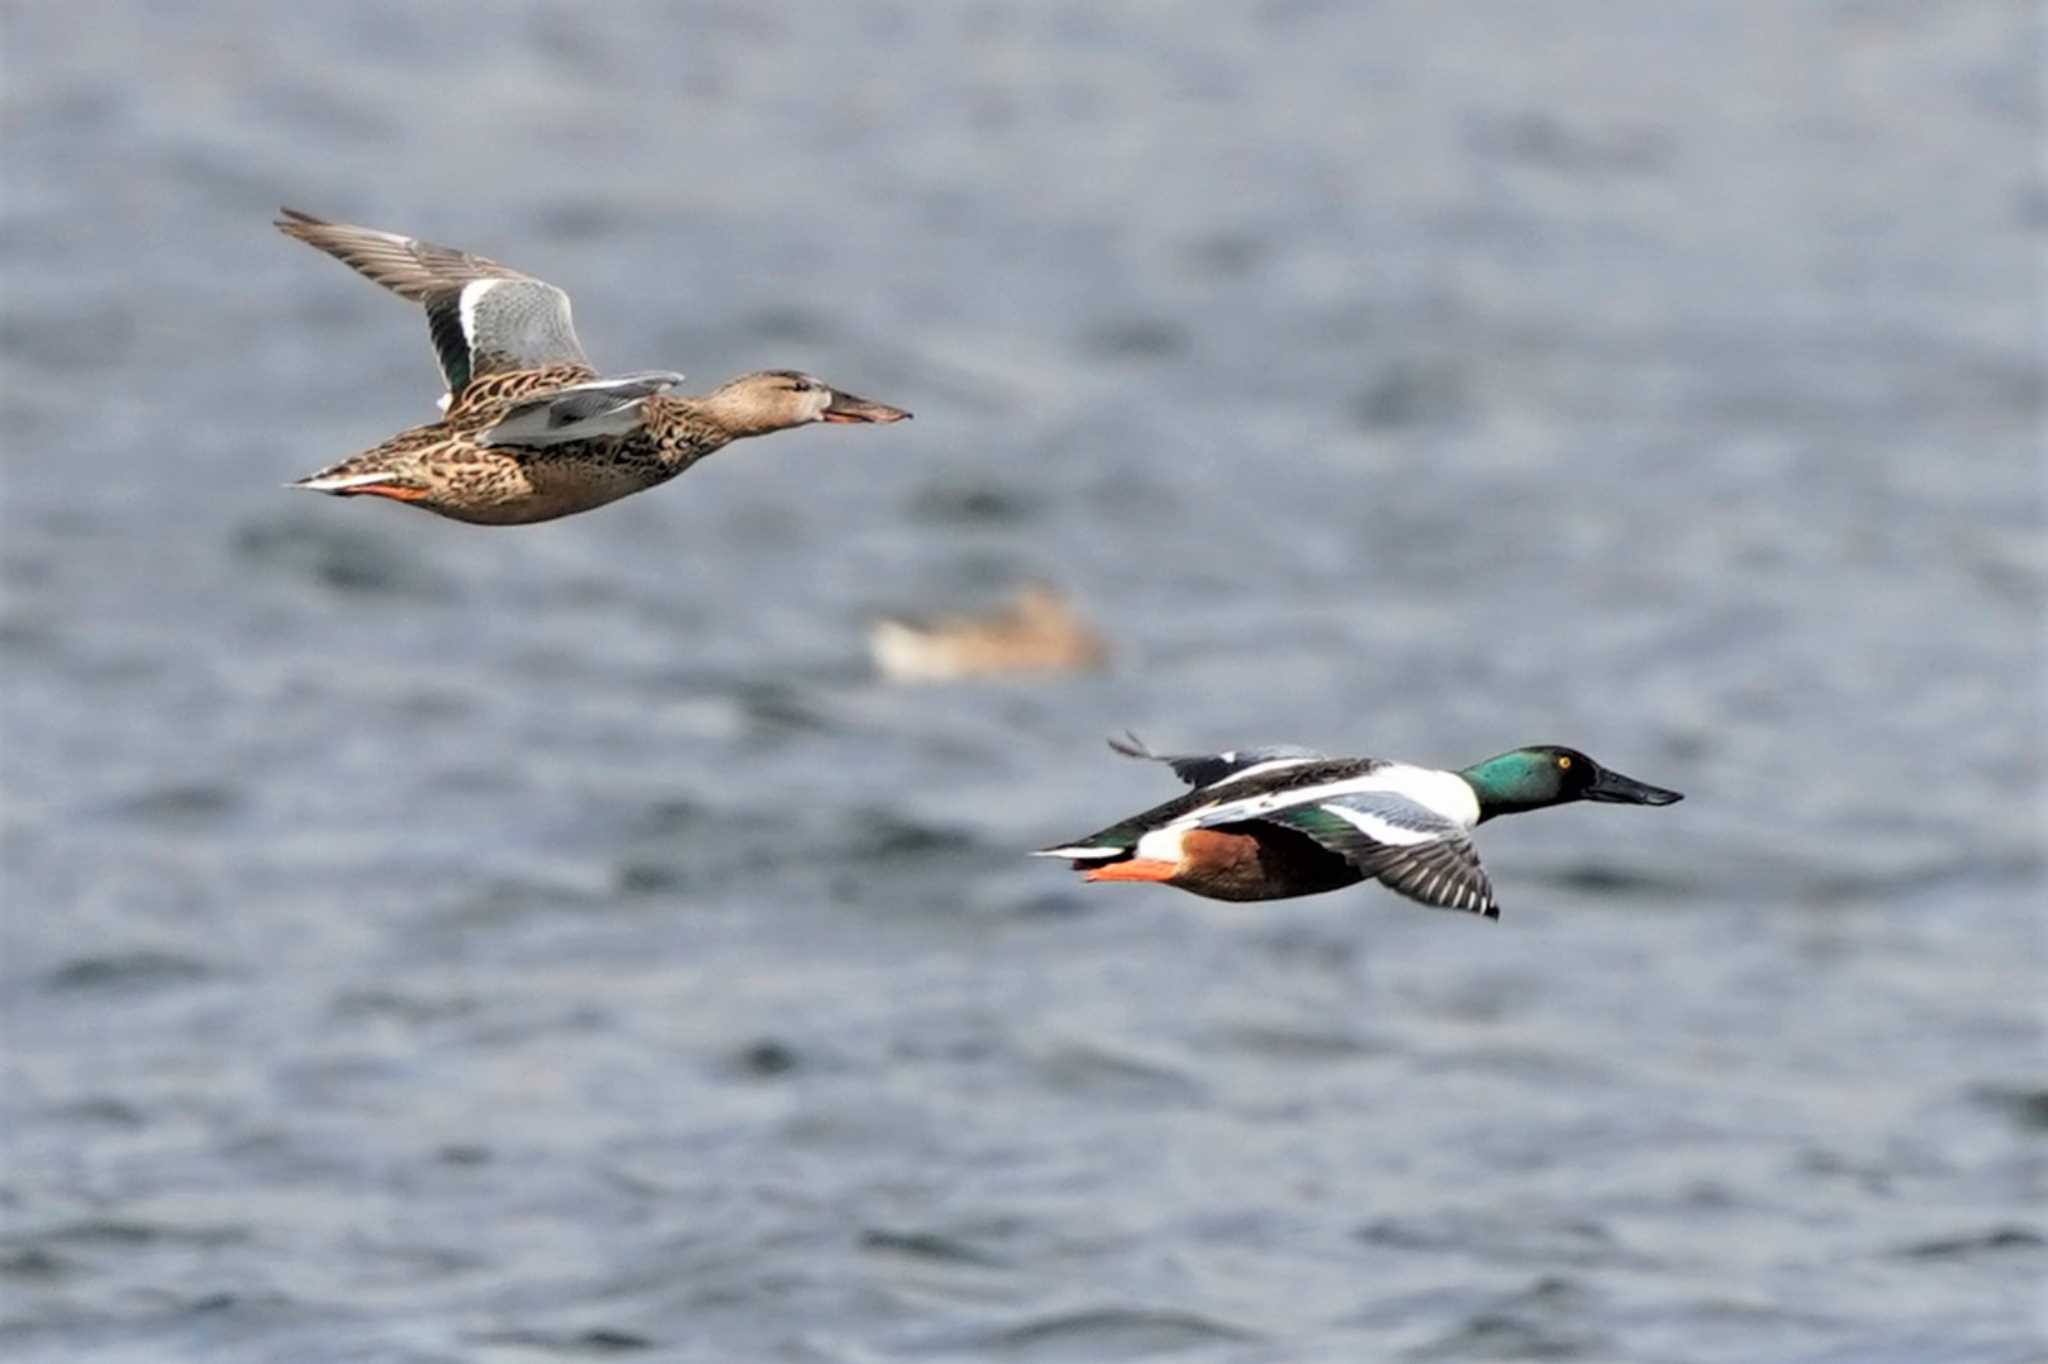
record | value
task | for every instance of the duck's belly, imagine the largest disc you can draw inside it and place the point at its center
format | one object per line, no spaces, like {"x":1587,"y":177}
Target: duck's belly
{"x":517,"y":489}
{"x":1279,"y":864}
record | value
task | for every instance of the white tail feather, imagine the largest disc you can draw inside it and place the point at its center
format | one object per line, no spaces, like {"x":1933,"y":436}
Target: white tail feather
{"x":334,"y":483}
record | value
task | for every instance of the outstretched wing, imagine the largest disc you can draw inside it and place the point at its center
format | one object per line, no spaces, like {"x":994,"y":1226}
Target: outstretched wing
{"x":1409,"y":848}
{"x":1258,"y":785}
{"x":484,"y":317}
{"x":1206,"y":769}
{"x":602,"y":407}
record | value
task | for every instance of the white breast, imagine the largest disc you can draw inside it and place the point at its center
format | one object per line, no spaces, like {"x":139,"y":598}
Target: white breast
{"x":1447,"y":793}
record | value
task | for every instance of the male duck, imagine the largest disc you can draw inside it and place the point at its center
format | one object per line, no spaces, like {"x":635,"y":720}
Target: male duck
{"x":530,"y":430}
{"x":1270,"y":823}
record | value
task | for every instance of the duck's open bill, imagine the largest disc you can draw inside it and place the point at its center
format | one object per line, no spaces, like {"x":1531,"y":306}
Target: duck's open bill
{"x":845,"y":407}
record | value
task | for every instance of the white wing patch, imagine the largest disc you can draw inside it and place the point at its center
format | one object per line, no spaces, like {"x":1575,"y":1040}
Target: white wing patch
{"x":1443,"y":793}
{"x":1270,"y":765}
{"x":472,"y":294}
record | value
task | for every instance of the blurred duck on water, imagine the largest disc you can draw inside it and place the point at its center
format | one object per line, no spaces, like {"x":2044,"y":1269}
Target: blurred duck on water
{"x":1272,"y":823}
{"x":530,"y":430}
{"x":1038,"y":630}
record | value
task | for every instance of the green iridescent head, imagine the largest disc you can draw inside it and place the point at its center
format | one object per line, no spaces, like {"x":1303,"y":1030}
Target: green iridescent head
{"x":1548,"y":774}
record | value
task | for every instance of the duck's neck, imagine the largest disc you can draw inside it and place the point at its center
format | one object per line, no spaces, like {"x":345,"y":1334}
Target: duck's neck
{"x":739,"y":409}
{"x":687,"y":429}
{"x":1510,"y":784}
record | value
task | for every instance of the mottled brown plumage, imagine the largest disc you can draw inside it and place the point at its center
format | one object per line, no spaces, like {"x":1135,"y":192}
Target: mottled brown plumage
{"x":445,"y":466}
{"x":532,"y":431}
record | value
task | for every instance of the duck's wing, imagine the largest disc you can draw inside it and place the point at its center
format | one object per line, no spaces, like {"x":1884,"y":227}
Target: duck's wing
{"x":602,"y":407}
{"x":1408,"y":847}
{"x":1207,"y":769}
{"x":485,"y":318}
{"x":1248,"y":792}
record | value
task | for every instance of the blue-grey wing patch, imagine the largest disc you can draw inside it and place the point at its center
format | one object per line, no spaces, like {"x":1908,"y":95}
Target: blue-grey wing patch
{"x":490,"y":326}
{"x":602,"y":407}
{"x":1206,"y":769}
{"x":484,"y":317}
{"x":1408,"y":847}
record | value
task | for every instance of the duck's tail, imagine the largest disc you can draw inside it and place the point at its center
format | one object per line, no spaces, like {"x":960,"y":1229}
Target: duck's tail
{"x":350,"y":480}
{"x":1087,"y":855}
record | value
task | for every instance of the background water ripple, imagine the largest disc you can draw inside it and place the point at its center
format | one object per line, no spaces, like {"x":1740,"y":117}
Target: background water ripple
{"x":423,"y":943}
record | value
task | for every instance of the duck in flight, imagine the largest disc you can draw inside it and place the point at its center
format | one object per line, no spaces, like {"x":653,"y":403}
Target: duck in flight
{"x":530,"y":431}
{"x":1038,"y":630}
{"x":1272,"y":823}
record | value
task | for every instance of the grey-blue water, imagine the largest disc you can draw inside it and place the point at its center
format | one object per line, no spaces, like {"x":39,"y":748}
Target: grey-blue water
{"x":432,"y":943}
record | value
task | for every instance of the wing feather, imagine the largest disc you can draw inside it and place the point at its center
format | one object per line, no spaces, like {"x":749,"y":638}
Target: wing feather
{"x":483,"y":317}
{"x":1206,"y":769}
{"x":1409,"y":848}
{"x":602,"y":407}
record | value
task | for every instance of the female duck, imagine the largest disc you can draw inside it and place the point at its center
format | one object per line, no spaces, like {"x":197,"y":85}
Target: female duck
{"x":1271,"y":823}
{"x":530,"y":430}
{"x":1039,"y":630}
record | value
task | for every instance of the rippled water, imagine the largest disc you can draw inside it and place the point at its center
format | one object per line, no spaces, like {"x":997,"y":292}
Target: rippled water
{"x":429,"y":943}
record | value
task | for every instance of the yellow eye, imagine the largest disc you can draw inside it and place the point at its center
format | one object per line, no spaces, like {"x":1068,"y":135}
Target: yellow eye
{"x":1564,"y":762}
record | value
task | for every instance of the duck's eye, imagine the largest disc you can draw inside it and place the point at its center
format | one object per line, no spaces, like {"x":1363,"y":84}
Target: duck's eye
{"x":1564,"y":762}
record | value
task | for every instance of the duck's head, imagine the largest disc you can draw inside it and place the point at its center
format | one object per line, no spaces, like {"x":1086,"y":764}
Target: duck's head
{"x":777,"y":399}
{"x":1549,"y":774}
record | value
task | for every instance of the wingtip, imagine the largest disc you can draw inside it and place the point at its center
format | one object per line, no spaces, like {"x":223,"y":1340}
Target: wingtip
{"x":1130,"y":746}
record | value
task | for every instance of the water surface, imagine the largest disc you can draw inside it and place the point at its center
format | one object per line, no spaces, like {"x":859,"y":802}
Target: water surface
{"x":430,"y":943}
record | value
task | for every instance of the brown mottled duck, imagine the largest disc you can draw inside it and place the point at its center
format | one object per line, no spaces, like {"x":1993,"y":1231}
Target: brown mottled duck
{"x":530,"y":430}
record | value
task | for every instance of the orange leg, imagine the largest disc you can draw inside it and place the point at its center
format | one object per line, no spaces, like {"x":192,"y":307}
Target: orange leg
{"x":1137,"y":869}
